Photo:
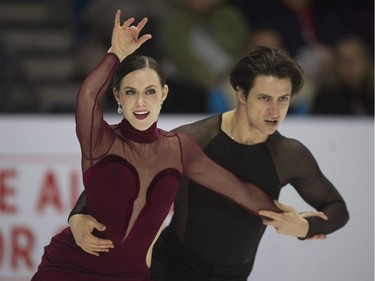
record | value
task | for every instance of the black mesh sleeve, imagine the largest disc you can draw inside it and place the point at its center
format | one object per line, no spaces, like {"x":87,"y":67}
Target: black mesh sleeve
{"x":80,"y":206}
{"x":297,"y":166}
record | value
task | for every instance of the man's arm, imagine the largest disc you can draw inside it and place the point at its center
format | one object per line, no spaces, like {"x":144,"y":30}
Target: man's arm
{"x":297,"y":166}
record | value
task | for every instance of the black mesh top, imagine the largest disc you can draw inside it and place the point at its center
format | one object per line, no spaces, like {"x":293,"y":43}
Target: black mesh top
{"x":218,"y":230}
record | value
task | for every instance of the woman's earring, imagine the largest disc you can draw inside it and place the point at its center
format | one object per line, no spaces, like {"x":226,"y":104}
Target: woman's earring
{"x":161,"y":104}
{"x":119,"y":108}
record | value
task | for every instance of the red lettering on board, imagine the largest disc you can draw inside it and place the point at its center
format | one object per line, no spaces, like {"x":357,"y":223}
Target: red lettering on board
{"x":6,"y":191}
{"x":22,"y":243}
{"x":50,"y":193}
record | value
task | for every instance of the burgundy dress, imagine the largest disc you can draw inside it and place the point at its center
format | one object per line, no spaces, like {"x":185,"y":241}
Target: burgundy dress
{"x":131,"y":178}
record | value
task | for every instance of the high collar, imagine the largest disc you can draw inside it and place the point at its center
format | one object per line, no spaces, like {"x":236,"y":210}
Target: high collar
{"x":135,"y":135}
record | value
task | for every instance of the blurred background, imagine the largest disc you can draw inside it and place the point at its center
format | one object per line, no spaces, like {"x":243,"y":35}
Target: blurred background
{"x":48,"y":47}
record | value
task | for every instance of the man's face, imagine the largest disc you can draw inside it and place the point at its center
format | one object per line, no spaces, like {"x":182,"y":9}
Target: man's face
{"x":267,"y":103}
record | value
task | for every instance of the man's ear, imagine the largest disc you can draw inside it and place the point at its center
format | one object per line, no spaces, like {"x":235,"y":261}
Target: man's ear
{"x":240,"y":95}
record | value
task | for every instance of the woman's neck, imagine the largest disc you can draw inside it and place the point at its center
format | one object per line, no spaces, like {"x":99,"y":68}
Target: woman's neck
{"x":131,"y":133}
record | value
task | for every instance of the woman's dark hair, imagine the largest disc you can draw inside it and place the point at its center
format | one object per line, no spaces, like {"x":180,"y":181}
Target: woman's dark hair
{"x":267,"y":61}
{"x":136,"y":62}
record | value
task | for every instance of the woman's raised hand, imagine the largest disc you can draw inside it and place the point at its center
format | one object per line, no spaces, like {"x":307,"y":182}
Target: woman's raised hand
{"x":125,"y":37}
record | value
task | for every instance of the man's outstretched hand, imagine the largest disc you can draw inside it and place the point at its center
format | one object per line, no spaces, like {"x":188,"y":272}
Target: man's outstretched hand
{"x":290,"y":222}
{"x":82,"y":227}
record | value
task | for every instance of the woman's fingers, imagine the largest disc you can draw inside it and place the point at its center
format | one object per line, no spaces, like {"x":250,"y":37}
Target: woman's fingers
{"x":126,"y":23}
{"x":142,"y":23}
{"x":117,"y":18}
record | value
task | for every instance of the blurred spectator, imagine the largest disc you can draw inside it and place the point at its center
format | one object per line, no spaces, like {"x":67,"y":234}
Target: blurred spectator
{"x":17,"y":94}
{"x":200,"y":41}
{"x":267,"y":36}
{"x":300,"y":23}
{"x":310,"y":29}
{"x":361,"y":18}
{"x":349,"y":89}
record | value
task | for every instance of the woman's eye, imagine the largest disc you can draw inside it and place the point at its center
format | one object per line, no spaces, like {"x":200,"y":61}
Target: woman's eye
{"x":150,"y":92}
{"x":130,"y":92}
